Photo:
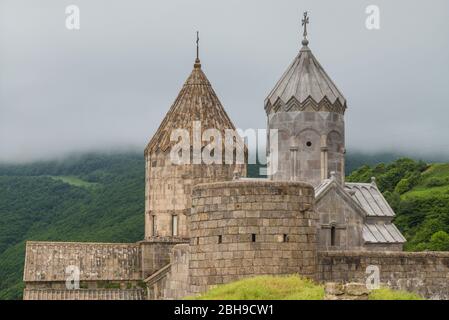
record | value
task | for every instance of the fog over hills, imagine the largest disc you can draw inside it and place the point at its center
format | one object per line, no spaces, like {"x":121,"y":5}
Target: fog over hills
{"x":109,"y":85}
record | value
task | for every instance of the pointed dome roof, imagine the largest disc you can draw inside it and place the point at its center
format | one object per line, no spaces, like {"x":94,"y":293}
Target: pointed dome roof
{"x":197,"y":101}
{"x":305,"y":81}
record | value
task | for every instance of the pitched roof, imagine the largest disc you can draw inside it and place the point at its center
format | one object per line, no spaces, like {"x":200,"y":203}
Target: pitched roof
{"x":322,"y":187}
{"x":382,"y":233}
{"x":305,"y":79}
{"x":371,"y":201}
{"x":369,"y":197}
{"x":197,"y":101}
{"x":366,"y":195}
{"x":328,"y":184}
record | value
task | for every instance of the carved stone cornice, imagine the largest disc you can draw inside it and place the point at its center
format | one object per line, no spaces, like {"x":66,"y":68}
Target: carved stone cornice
{"x":309,"y":104}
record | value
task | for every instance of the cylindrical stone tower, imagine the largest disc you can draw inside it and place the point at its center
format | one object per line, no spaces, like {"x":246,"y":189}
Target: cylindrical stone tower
{"x":168,"y":185}
{"x":245,"y":228}
{"x":308,"y":110}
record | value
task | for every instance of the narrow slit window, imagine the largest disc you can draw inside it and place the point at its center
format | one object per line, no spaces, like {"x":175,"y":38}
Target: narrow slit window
{"x":253,"y":237}
{"x":333,"y":235}
{"x":153,"y":225}
{"x":285,"y":237}
{"x":294,"y":162}
{"x":220,"y":239}
{"x":174,"y":225}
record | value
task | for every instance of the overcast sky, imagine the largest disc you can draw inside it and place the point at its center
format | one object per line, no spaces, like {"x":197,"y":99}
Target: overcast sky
{"x":110,"y":84}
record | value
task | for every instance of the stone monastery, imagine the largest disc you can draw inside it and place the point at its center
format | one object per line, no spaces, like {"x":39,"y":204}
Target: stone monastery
{"x":207,"y":225}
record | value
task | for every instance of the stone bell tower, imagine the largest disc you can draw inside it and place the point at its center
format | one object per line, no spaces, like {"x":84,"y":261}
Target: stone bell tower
{"x":168,"y":185}
{"x":308,"y":110}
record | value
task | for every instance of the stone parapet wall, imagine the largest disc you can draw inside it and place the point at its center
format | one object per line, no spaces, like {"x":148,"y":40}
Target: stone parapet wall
{"x":245,"y":228}
{"x":83,"y":294}
{"x":156,"y":253}
{"x":425,"y":273}
{"x":172,"y":281}
{"x":47,"y":261}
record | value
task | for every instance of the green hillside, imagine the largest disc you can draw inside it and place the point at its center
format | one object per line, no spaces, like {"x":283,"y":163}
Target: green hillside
{"x":99,"y":197}
{"x":419,"y":193}
{"x":94,"y":198}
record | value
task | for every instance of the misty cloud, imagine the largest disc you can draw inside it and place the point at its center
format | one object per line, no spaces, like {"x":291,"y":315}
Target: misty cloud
{"x":109,"y":85}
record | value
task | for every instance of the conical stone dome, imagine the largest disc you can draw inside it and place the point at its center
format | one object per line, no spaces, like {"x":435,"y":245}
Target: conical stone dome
{"x":197,"y":101}
{"x":168,"y":186}
{"x":305,"y":86}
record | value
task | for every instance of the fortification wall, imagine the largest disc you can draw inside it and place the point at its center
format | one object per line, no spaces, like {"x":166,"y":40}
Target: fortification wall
{"x":84,"y":294}
{"x":156,"y":253}
{"x":246,"y":228}
{"x":47,"y":261}
{"x":172,"y":281}
{"x":426,"y":273}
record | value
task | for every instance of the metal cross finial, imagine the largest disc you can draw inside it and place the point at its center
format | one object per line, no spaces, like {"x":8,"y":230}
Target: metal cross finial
{"x":305,"y":22}
{"x":197,"y":45}
{"x":197,"y":64}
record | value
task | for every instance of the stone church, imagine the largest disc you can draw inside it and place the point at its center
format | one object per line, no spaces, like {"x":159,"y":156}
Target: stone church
{"x":207,"y":224}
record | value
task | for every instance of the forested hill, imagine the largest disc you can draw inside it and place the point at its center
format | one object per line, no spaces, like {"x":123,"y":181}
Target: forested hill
{"x":92,"y":198}
{"x":100,"y":197}
{"x":419,"y":194}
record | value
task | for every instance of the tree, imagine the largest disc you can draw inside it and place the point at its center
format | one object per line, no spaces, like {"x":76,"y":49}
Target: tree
{"x":403,"y":186}
{"x":439,"y":241}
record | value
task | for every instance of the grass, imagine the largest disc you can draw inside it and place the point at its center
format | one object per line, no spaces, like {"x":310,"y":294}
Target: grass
{"x":290,"y":287}
{"x":266,"y":288}
{"x":74,"y":181}
{"x":388,"y":294}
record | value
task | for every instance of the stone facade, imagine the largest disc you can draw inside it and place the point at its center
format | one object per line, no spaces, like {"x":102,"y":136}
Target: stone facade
{"x":310,"y":145}
{"x":341,"y":222}
{"x":47,"y":261}
{"x":168,"y":185}
{"x":106,"y":271}
{"x":242,"y":228}
{"x":425,"y":273}
{"x":172,"y":281}
{"x":156,"y":253}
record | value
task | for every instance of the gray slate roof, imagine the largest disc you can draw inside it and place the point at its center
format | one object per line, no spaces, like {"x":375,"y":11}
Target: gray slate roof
{"x":382,"y":233}
{"x":305,"y":78}
{"x":368,"y":196}
{"x":373,"y":203}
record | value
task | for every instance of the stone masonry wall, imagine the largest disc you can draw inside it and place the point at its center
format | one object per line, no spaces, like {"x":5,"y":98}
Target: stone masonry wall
{"x":172,"y":281}
{"x":246,"y":228}
{"x":156,"y":253}
{"x":177,"y":283}
{"x":310,"y":145}
{"x":111,"y":294}
{"x":425,"y":273}
{"x":47,"y":261}
{"x":168,"y":189}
